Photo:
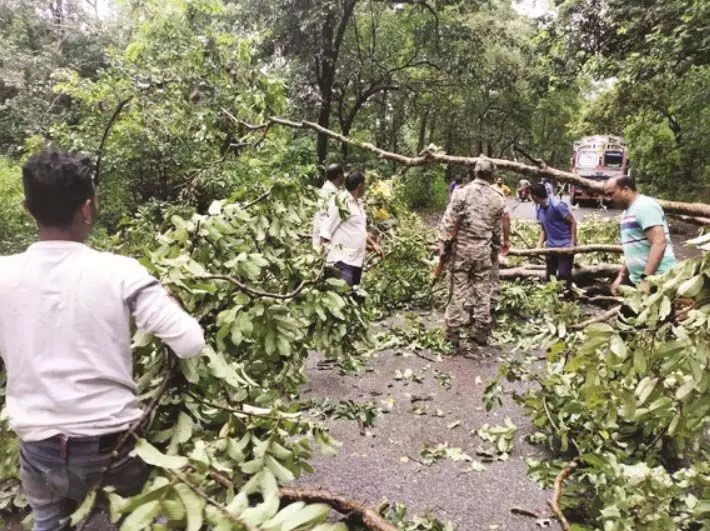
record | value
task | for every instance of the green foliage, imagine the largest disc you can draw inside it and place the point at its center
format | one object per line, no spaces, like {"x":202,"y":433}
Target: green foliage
{"x":226,"y":414}
{"x":424,"y":189}
{"x":403,"y":278}
{"x":38,"y":38}
{"x":397,"y":514}
{"x":630,"y":401}
{"x":172,"y":139}
{"x":364,"y":413}
{"x":16,"y":226}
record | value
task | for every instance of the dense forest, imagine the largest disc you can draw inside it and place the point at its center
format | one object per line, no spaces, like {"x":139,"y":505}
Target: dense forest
{"x":174,"y":100}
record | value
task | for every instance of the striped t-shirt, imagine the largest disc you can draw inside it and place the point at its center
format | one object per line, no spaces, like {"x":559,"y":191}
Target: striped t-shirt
{"x":643,"y":214}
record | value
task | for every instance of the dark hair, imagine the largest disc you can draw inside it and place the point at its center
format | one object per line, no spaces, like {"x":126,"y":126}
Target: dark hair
{"x":56,"y":184}
{"x":539,"y":190}
{"x":626,"y":182}
{"x":353,"y":180}
{"x":333,"y":171}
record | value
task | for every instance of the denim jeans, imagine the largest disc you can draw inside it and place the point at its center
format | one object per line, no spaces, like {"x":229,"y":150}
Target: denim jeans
{"x":57,"y":474}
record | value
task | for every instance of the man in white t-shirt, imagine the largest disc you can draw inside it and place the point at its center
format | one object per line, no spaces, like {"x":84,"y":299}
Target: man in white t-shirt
{"x":345,"y":230}
{"x":334,"y":178}
{"x":65,"y":339}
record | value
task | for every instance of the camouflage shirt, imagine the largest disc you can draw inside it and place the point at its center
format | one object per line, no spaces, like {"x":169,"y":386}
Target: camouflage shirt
{"x":478,"y":209}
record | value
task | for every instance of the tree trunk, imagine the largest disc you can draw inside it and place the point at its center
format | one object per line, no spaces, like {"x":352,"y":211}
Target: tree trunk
{"x":324,"y":121}
{"x":421,"y":142}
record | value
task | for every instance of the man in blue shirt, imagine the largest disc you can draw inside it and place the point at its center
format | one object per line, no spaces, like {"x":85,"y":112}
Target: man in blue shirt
{"x":644,"y":235}
{"x":558,"y":229}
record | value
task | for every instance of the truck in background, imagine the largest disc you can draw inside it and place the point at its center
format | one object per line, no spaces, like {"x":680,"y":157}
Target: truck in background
{"x":598,"y":158}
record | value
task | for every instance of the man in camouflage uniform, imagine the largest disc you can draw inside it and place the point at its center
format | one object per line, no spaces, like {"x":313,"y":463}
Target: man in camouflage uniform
{"x":475,"y":215}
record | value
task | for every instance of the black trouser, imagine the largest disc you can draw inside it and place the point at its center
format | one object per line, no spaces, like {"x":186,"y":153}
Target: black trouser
{"x":559,"y":266}
{"x":349,"y":274}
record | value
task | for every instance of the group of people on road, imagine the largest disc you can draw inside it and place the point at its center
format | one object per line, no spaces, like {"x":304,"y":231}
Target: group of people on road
{"x":476,"y":227}
{"x":67,"y":310}
{"x":341,"y":224}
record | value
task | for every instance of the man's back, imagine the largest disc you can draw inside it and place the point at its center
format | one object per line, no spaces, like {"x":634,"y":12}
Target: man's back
{"x":481,"y":211}
{"x":65,"y":337}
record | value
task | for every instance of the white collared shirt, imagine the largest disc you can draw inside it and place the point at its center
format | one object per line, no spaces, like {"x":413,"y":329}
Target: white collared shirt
{"x":325,"y":194}
{"x":65,"y":337}
{"x":348,"y":237}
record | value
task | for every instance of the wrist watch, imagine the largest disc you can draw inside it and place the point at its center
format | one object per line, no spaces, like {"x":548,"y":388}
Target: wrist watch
{"x":643,"y":276}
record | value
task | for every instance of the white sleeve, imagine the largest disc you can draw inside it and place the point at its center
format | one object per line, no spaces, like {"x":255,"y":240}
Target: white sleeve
{"x":155,"y":312}
{"x":331,"y":221}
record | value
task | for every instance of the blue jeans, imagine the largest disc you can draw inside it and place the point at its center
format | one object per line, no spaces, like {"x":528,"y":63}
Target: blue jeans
{"x":57,"y":474}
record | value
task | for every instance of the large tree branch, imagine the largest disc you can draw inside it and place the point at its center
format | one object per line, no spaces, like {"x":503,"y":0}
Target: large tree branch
{"x":429,"y":157}
{"x":370,"y":518}
{"x":580,"y":275}
{"x":595,"y":248}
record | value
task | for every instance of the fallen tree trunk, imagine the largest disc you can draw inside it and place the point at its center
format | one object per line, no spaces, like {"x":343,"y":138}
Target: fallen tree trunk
{"x":594,"y":248}
{"x":368,"y":517}
{"x":581,"y":275}
{"x":428,"y":157}
{"x":700,"y":222}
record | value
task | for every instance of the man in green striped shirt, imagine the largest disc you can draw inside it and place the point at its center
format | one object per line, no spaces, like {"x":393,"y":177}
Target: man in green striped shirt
{"x":645,"y":237}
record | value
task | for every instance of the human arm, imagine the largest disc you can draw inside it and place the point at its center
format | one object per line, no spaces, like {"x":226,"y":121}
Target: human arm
{"x":506,"y":233}
{"x":619,"y":280}
{"x":573,"y":228}
{"x":158,"y":312}
{"x":657,"y":238}
{"x":542,"y":237}
{"x":374,"y":246}
{"x":451,"y":220}
{"x":330,"y":222}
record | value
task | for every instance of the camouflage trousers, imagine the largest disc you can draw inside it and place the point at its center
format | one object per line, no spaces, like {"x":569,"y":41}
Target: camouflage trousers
{"x":469,"y":307}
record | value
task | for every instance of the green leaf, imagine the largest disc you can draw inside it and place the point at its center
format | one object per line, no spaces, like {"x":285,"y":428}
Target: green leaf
{"x":194,"y":506}
{"x":255,"y":516}
{"x":182,"y":432}
{"x":84,"y":509}
{"x":691,"y":287}
{"x":310,"y":515}
{"x":188,"y":367}
{"x":142,"y":517}
{"x":283,"y":474}
{"x":151,"y":455}
{"x":175,"y":510}
{"x":284,"y":514}
{"x":645,"y":388}
{"x":685,"y":389}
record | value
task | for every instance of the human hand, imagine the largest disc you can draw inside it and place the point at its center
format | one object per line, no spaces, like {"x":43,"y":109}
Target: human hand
{"x":644,"y":287}
{"x":505,"y":250}
{"x":615,"y":286}
{"x":379,"y":251}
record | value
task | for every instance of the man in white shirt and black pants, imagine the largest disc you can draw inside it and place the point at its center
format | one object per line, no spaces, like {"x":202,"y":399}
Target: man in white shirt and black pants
{"x":334,"y":178}
{"x":345,"y":230}
{"x":65,"y":339}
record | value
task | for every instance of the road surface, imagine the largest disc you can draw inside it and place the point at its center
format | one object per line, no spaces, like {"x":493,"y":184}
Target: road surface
{"x":527,"y":210}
